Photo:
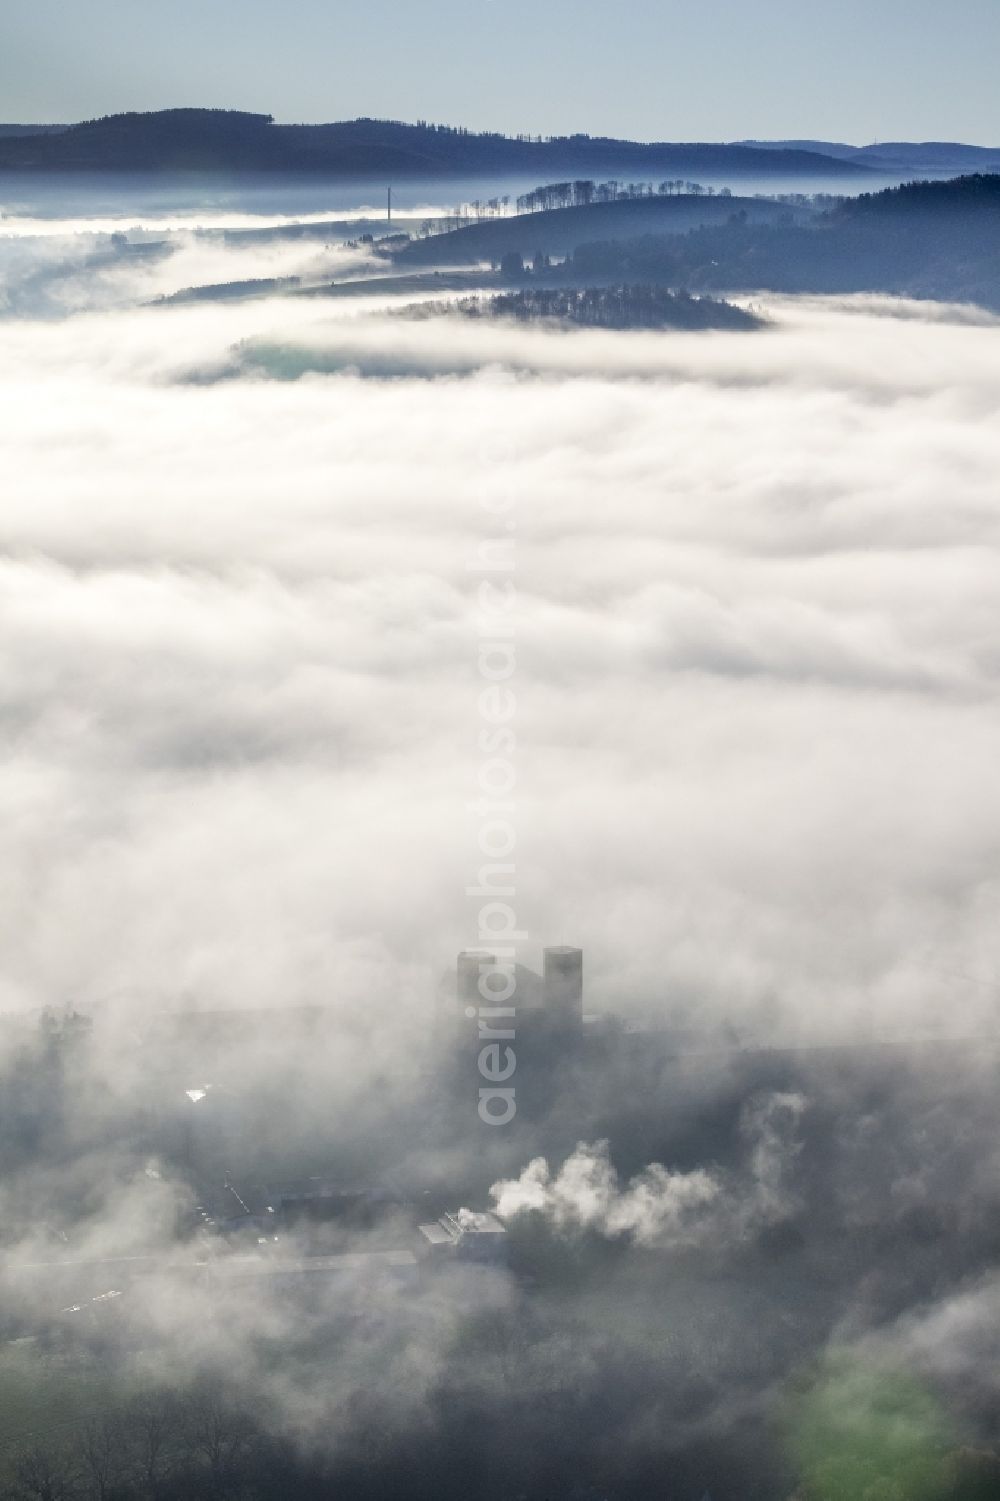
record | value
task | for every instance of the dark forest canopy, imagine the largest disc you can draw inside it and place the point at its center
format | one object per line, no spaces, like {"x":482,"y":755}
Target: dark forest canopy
{"x":977,"y":192}
{"x":207,"y":139}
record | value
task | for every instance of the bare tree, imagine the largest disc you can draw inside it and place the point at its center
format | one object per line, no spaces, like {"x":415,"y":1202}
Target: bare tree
{"x":153,"y":1430}
{"x":222,"y":1434}
{"x":44,"y":1473}
{"x":102,"y":1455}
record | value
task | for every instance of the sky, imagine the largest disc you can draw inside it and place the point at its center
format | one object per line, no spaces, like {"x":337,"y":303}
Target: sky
{"x":648,"y":69}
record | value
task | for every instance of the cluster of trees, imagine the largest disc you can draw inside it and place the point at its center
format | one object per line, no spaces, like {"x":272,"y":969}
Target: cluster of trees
{"x":158,"y":1445}
{"x":628,"y":306}
{"x":483,"y":135}
{"x":555,"y":195}
{"x":206,"y":1443}
{"x":579,"y":193}
{"x":467,"y":213}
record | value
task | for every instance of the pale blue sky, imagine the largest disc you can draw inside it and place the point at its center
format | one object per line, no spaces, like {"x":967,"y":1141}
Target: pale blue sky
{"x":653,"y":69}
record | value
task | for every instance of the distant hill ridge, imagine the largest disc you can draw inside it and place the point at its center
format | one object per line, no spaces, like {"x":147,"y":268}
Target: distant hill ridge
{"x":897,"y":156}
{"x":30,"y":130}
{"x":239,"y":140}
{"x":236,"y":140}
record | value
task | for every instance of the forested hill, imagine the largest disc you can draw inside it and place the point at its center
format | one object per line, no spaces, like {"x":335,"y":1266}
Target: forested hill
{"x":977,"y":194}
{"x":940,"y":208}
{"x":231,"y":140}
{"x":934,"y":240}
{"x":558,"y":231}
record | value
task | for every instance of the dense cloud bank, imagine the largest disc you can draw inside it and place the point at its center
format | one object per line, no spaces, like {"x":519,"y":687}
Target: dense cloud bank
{"x":756,"y":701}
{"x":756,"y":737}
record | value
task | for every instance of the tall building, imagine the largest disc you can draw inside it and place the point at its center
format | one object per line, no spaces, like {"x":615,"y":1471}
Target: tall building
{"x":563,"y":985}
{"x":470,"y":964}
{"x":546,"y":1005}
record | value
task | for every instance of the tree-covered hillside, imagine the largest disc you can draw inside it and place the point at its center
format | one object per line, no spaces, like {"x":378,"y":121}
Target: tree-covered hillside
{"x":934,"y":240}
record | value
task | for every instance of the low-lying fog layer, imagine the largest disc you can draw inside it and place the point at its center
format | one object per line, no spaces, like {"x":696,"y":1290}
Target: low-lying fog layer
{"x":757,"y":734}
{"x":756,"y":674}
